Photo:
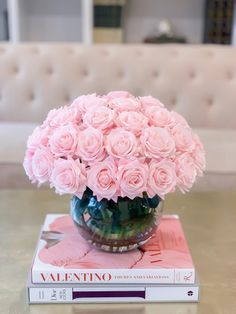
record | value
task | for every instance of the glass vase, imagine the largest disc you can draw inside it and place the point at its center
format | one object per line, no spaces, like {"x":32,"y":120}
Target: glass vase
{"x":116,"y":226}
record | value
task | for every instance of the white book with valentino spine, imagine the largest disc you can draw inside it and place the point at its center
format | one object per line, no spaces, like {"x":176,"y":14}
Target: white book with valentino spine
{"x":63,"y":256}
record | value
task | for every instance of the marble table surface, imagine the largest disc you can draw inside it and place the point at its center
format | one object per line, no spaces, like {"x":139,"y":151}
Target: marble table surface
{"x":208,"y":219}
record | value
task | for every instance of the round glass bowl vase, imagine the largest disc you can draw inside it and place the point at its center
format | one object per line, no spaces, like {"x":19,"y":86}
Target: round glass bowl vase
{"x":116,"y":226}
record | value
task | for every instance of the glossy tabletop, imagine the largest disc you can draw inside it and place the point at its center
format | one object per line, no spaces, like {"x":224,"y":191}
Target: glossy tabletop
{"x":209,"y":222}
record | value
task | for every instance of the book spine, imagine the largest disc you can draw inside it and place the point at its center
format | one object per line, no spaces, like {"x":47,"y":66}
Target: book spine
{"x":57,"y":294}
{"x":107,"y":35}
{"x":110,"y":276}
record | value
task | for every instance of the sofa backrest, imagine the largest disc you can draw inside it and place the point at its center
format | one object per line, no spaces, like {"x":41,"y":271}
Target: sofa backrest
{"x":197,"y":81}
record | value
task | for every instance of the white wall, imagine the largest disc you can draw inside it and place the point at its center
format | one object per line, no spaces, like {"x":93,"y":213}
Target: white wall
{"x":186,"y":16}
{"x":53,"y":20}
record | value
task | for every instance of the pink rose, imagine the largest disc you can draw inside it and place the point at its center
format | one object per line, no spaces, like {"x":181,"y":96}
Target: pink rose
{"x":87,"y":102}
{"x":132,"y":121}
{"x":198,"y":143}
{"x":179,"y":119}
{"x":27,"y":164}
{"x":102,"y":180}
{"x":69,"y":176}
{"x":119,"y":94}
{"x":183,"y":138}
{"x":127,"y":145}
{"x":149,"y":101}
{"x":90,"y":145}
{"x":199,"y":161}
{"x":125,"y":104}
{"x":132,"y":176}
{"x":157,"y":143}
{"x":185,"y":171}
{"x":162,"y":178}
{"x":42,"y":164}
{"x":62,"y":116}
{"x":101,"y":118}
{"x":63,"y":141}
{"x":198,"y":156}
{"x":39,"y":138}
{"x":160,"y":117}
{"x":121,"y":143}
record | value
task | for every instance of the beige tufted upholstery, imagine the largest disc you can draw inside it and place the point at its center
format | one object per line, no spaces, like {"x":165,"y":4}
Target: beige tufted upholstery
{"x":197,"y":81}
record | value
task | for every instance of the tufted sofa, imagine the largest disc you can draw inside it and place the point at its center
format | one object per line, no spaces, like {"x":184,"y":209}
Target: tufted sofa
{"x":197,"y":81}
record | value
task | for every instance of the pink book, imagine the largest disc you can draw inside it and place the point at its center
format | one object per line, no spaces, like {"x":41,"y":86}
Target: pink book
{"x":63,"y":256}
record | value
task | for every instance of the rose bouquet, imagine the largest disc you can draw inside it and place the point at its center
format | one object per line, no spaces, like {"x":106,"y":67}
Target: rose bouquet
{"x":118,"y":155}
{"x":116,"y":145}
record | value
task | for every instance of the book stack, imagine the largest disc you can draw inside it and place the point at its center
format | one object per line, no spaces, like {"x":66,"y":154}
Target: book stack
{"x":108,"y":17}
{"x":218,"y":27}
{"x":66,"y":269}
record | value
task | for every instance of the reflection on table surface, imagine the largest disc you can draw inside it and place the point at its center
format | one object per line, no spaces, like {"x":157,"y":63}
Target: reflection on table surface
{"x":208,"y":220}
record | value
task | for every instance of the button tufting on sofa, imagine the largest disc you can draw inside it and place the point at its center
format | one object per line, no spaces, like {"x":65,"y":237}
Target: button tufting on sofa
{"x":173,"y":102}
{"x":174,"y":53}
{"x":229,"y":75}
{"x":209,"y":53}
{"x":105,"y":52}
{"x":192,"y":74}
{"x":210,"y":101}
{"x":155,"y":74}
{"x":85,"y":73}
{"x":67,"y":98}
{"x":2,"y":50}
{"x":34,"y":50}
{"x":70,"y":51}
{"x":15,"y":69}
{"x":31,"y":97}
{"x":49,"y":71}
{"x":120,"y":74}
{"x":138,"y":52}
